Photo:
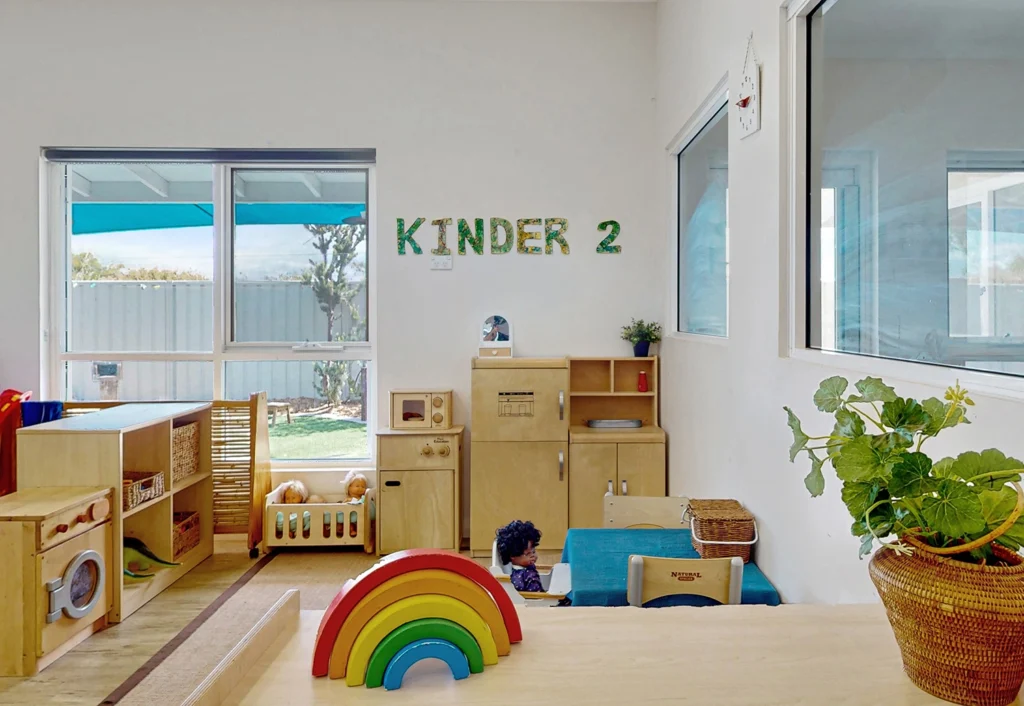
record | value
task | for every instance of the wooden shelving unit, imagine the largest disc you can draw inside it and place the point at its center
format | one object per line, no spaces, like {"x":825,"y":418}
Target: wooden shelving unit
{"x":95,"y":449}
{"x":606,"y":388}
{"x":626,"y":461}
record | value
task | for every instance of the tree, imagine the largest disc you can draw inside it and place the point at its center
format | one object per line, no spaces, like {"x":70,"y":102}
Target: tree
{"x":328,"y":277}
{"x":85,"y":266}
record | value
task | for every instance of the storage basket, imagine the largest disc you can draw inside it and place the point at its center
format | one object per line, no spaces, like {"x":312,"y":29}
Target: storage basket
{"x":721,"y":528}
{"x":184,"y":451}
{"x":140,"y":486}
{"x":186,"y":532}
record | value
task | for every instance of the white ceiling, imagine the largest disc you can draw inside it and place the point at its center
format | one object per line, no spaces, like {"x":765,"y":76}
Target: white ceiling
{"x":924,"y":29}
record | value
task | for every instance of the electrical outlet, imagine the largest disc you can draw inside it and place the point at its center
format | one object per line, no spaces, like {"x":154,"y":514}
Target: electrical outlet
{"x":440,"y":262}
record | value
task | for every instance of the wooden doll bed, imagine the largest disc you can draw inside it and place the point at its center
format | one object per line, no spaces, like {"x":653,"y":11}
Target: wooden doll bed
{"x":326,"y":524}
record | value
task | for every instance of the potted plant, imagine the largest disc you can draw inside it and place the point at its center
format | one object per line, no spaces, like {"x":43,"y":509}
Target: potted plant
{"x":641,"y":334}
{"x":948,"y":569}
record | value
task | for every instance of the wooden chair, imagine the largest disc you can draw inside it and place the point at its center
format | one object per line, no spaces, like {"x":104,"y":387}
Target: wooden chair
{"x":637,"y":512}
{"x":655,"y":577}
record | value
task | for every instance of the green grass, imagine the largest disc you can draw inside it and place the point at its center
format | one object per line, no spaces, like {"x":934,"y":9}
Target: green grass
{"x":314,"y":437}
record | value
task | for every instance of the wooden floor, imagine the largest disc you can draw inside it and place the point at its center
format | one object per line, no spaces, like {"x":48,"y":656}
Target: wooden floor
{"x":91,"y":671}
{"x":94,"y":669}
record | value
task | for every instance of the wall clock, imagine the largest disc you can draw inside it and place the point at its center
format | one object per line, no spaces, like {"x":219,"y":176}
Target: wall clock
{"x":748,"y":107}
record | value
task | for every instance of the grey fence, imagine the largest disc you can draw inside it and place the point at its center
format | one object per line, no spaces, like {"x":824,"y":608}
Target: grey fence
{"x":172,"y":317}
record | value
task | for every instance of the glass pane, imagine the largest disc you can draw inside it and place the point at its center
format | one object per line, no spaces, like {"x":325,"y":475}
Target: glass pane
{"x":134,"y":381}
{"x":924,"y":259}
{"x":141,"y":250}
{"x":703,"y":231}
{"x":299,"y":263}
{"x":318,"y":408}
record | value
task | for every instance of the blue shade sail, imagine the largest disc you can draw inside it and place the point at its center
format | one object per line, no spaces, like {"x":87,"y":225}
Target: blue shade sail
{"x":115,"y":217}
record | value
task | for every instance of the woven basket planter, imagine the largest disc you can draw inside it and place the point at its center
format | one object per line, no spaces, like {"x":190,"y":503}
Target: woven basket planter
{"x":959,"y":626}
{"x":721,"y":528}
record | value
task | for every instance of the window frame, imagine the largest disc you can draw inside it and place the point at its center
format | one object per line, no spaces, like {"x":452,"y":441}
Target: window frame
{"x":798,"y":206}
{"x":716,"y":100}
{"x":55,"y":229}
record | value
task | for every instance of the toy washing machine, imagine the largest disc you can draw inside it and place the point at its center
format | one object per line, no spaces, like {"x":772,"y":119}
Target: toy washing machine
{"x":55,"y":547}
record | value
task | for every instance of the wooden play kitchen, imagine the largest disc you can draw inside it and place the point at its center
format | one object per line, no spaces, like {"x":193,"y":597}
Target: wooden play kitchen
{"x":56,"y":547}
{"x":419,"y":474}
{"x":154,"y":461}
{"x":552,"y":436}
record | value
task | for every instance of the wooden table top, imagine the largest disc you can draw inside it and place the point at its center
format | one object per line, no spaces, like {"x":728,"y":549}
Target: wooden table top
{"x":790,"y":655}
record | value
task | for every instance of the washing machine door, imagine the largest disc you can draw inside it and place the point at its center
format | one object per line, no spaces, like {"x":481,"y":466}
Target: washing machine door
{"x":80,"y":589}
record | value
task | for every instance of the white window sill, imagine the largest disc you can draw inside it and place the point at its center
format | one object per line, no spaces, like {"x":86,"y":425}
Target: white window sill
{"x":979,"y":383}
{"x":698,"y":338}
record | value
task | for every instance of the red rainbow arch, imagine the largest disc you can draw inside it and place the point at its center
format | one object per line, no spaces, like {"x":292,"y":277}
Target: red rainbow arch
{"x":395,"y":565}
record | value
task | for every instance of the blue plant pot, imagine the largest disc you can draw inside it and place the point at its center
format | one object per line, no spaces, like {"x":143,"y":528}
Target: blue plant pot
{"x":640,"y":350}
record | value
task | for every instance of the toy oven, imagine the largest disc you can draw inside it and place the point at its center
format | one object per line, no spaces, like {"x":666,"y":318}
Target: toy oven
{"x":416,"y":409}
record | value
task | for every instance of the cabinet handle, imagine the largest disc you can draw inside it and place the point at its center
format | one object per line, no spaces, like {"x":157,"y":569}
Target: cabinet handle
{"x":392,"y":483}
{"x":561,"y":465}
{"x":624,"y":491}
{"x":610,"y":489}
{"x":561,"y":405}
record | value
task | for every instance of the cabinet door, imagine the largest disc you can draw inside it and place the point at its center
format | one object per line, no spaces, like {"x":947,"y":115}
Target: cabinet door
{"x":593,"y":472}
{"x":520,"y":404}
{"x":416,"y":510}
{"x":518,"y":481}
{"x":641,"y":469}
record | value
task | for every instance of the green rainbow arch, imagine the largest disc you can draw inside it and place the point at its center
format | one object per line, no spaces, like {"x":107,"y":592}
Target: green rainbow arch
{"x":419,"y":630}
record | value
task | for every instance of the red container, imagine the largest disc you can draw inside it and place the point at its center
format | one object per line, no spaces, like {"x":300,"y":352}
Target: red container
{"x":641,"y":383}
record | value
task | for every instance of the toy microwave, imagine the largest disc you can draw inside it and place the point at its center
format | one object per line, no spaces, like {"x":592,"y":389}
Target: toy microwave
{"x":421,"y":409}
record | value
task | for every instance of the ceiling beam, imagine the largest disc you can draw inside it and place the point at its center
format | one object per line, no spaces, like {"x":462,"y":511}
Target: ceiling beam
{"x":147,"y":176}
{"x":312,"y":183}
{"x":80,"y":185}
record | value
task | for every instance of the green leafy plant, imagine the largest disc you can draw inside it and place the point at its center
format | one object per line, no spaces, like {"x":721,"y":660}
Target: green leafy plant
{"x":891,"y":487}
{"x":638,"y":331}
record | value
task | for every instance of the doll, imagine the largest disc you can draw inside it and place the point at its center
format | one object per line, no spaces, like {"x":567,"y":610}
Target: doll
{"x":517,"y":545}
{"x":355,"y":493}
{"x":292,"y":492}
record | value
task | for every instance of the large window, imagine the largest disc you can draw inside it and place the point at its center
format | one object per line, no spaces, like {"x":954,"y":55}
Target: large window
{"x":703,"y":237}
{"x":206,"y":280}
{"x":916,"y":220}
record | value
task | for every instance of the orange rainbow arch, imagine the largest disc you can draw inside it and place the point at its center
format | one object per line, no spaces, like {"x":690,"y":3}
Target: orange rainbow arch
{"x":410,"y":605}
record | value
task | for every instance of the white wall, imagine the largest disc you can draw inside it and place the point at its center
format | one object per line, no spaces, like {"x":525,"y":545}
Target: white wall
{"x":477,"y":110}
{"x":722,"y":404}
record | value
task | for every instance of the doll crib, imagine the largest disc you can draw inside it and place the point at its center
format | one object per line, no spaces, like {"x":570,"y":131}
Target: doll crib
{"x":327,"y":524}
{"x":556,"y":580}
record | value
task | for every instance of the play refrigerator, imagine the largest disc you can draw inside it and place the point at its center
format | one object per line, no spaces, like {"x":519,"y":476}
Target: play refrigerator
{"x":519,"y":448}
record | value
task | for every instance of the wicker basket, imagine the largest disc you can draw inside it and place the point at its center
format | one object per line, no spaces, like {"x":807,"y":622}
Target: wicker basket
{"x":140,"y":486}
{"x":186,"y":532}
{"x":959,"y":626}
{"x":184,"y":451}
{"x":721,"y":528}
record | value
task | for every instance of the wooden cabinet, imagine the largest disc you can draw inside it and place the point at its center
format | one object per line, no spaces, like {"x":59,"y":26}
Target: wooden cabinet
{"x":624,"y":462}
{"x":56,"y":547}
{"x":418,"y":481}
{"x":97,"y":448}
{"x":519,"y":451}
{"x":420,"y":510}
{"x":519,"y":481}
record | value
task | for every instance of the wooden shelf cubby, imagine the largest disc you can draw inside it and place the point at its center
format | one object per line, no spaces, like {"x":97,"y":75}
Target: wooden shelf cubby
{"x":606,"y":388}
{"x":96,"y":448}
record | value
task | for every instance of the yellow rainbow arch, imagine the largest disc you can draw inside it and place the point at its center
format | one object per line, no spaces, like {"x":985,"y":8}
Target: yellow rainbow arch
{"x":416,"y":608}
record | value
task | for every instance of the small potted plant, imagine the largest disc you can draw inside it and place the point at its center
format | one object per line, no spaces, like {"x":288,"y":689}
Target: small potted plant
{"x":641,"y":334}
{"x":948,"y":569}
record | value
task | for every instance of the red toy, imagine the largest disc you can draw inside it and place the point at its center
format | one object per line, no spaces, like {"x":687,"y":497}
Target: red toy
{"x":10,"y":420}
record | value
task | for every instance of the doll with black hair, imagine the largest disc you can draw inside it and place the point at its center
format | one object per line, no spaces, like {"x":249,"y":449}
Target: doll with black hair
{"x":517,"y":545}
